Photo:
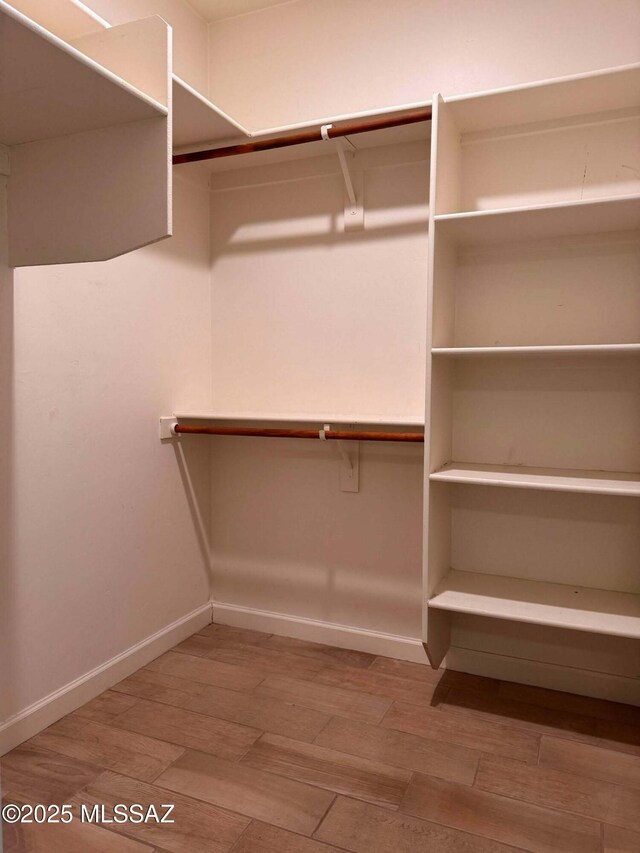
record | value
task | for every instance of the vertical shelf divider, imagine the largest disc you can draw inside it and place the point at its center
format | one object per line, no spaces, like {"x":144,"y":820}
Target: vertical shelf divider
{"x":437,"y":536}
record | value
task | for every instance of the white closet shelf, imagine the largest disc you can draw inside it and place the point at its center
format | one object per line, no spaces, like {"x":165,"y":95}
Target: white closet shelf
{"x":547,"y":479}
{"x":539,"y":222}
{"x":51,"y":89}
{"x":197,"y":120}
{"x":292,"y":417}
{"x":569,"y":349}
{"x":577,"y":608}
{"x":549,"y":100}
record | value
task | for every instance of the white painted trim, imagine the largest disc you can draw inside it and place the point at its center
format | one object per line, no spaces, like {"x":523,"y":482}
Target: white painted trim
{"x":327,"y":633}
{"x":46,"y":711}
{"x":65,"y":700}
{"x":585,"y":682}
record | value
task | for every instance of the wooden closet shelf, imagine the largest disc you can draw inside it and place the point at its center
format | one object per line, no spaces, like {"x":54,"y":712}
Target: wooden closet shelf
{"x":577,"y":608}
{"x":569,"y":349}
{"x":540,"y":222}
{"x":549,"y":479}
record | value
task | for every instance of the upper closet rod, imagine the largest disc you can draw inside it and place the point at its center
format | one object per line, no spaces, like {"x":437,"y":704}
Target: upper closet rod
{"x":317,"y":135}
{"x":327,"y":434}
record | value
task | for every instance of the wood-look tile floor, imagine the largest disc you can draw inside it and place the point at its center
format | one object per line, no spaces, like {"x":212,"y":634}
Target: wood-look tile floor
{"x":270,"y":745}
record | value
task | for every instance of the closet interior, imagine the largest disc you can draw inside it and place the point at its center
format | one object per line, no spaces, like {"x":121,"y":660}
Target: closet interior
{"x":472,"y":281}
{"x":532,"y":350}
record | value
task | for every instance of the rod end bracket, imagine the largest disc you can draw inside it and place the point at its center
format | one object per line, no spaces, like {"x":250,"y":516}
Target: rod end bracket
{"x":168,"y":428}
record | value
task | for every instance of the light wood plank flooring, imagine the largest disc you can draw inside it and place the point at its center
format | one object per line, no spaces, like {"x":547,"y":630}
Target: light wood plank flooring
{"x":271,"y":745}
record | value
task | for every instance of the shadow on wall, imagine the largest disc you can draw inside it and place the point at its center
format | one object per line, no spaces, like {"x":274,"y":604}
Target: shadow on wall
{"x":303,"y":211}
{"x":196,"y":483}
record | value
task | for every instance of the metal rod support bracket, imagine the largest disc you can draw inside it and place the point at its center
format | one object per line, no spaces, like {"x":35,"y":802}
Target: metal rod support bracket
{"x":354,"y":185}
{"x":349,"y":461}
{"x":352,"y":176}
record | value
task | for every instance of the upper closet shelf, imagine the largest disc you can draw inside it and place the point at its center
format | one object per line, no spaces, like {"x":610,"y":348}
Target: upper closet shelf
{"x":539,"y":222}
{"x":261,"y":417}
{"x":549,"y":479}
{"x":84,"y":112}
{"x":593,"y":92}
{"x":48,"y":88}
{"x":196,"y":120}
{"x":32,"y":88}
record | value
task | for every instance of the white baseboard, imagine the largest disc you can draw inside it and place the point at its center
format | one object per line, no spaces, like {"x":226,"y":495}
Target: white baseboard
{"x":581,"y":681}
{"x":45,"y":712}
{"x":585,"y":682}
{"x":328,"y":633}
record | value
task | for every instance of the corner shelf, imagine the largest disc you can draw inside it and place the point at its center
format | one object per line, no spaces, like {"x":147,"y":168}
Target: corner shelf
{"x":85,"y":112}
{"x":598,"y":611}
{"x":37,"y":66}
{"x":549,"y":479}
{"x":540,"y":222}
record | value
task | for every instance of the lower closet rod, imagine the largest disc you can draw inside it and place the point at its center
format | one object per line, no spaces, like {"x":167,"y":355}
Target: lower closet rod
{"x":329,"y":434}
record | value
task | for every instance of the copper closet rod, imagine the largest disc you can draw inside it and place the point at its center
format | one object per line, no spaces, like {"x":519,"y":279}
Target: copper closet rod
{"x":346,"y":129}
{"x":329,"y":434}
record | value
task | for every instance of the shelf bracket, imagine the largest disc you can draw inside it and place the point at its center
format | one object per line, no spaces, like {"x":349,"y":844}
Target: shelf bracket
{"x":349,"y":452}
{"x":167,"y":428}
{"x":353,"y":180}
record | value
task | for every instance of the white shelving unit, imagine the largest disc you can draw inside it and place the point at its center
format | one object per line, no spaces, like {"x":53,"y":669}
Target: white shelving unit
{"x":533,"y":375}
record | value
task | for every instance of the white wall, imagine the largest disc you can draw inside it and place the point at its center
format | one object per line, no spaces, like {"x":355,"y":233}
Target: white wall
{"x":286,"y":540}
{"x":106,"y":550}
{"x":314,"y":58}
{"x":310,"y":319}
{"x":307,"y":318}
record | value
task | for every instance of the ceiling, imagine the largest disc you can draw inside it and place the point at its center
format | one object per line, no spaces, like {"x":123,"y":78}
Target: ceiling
{"x":215,"y":10}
